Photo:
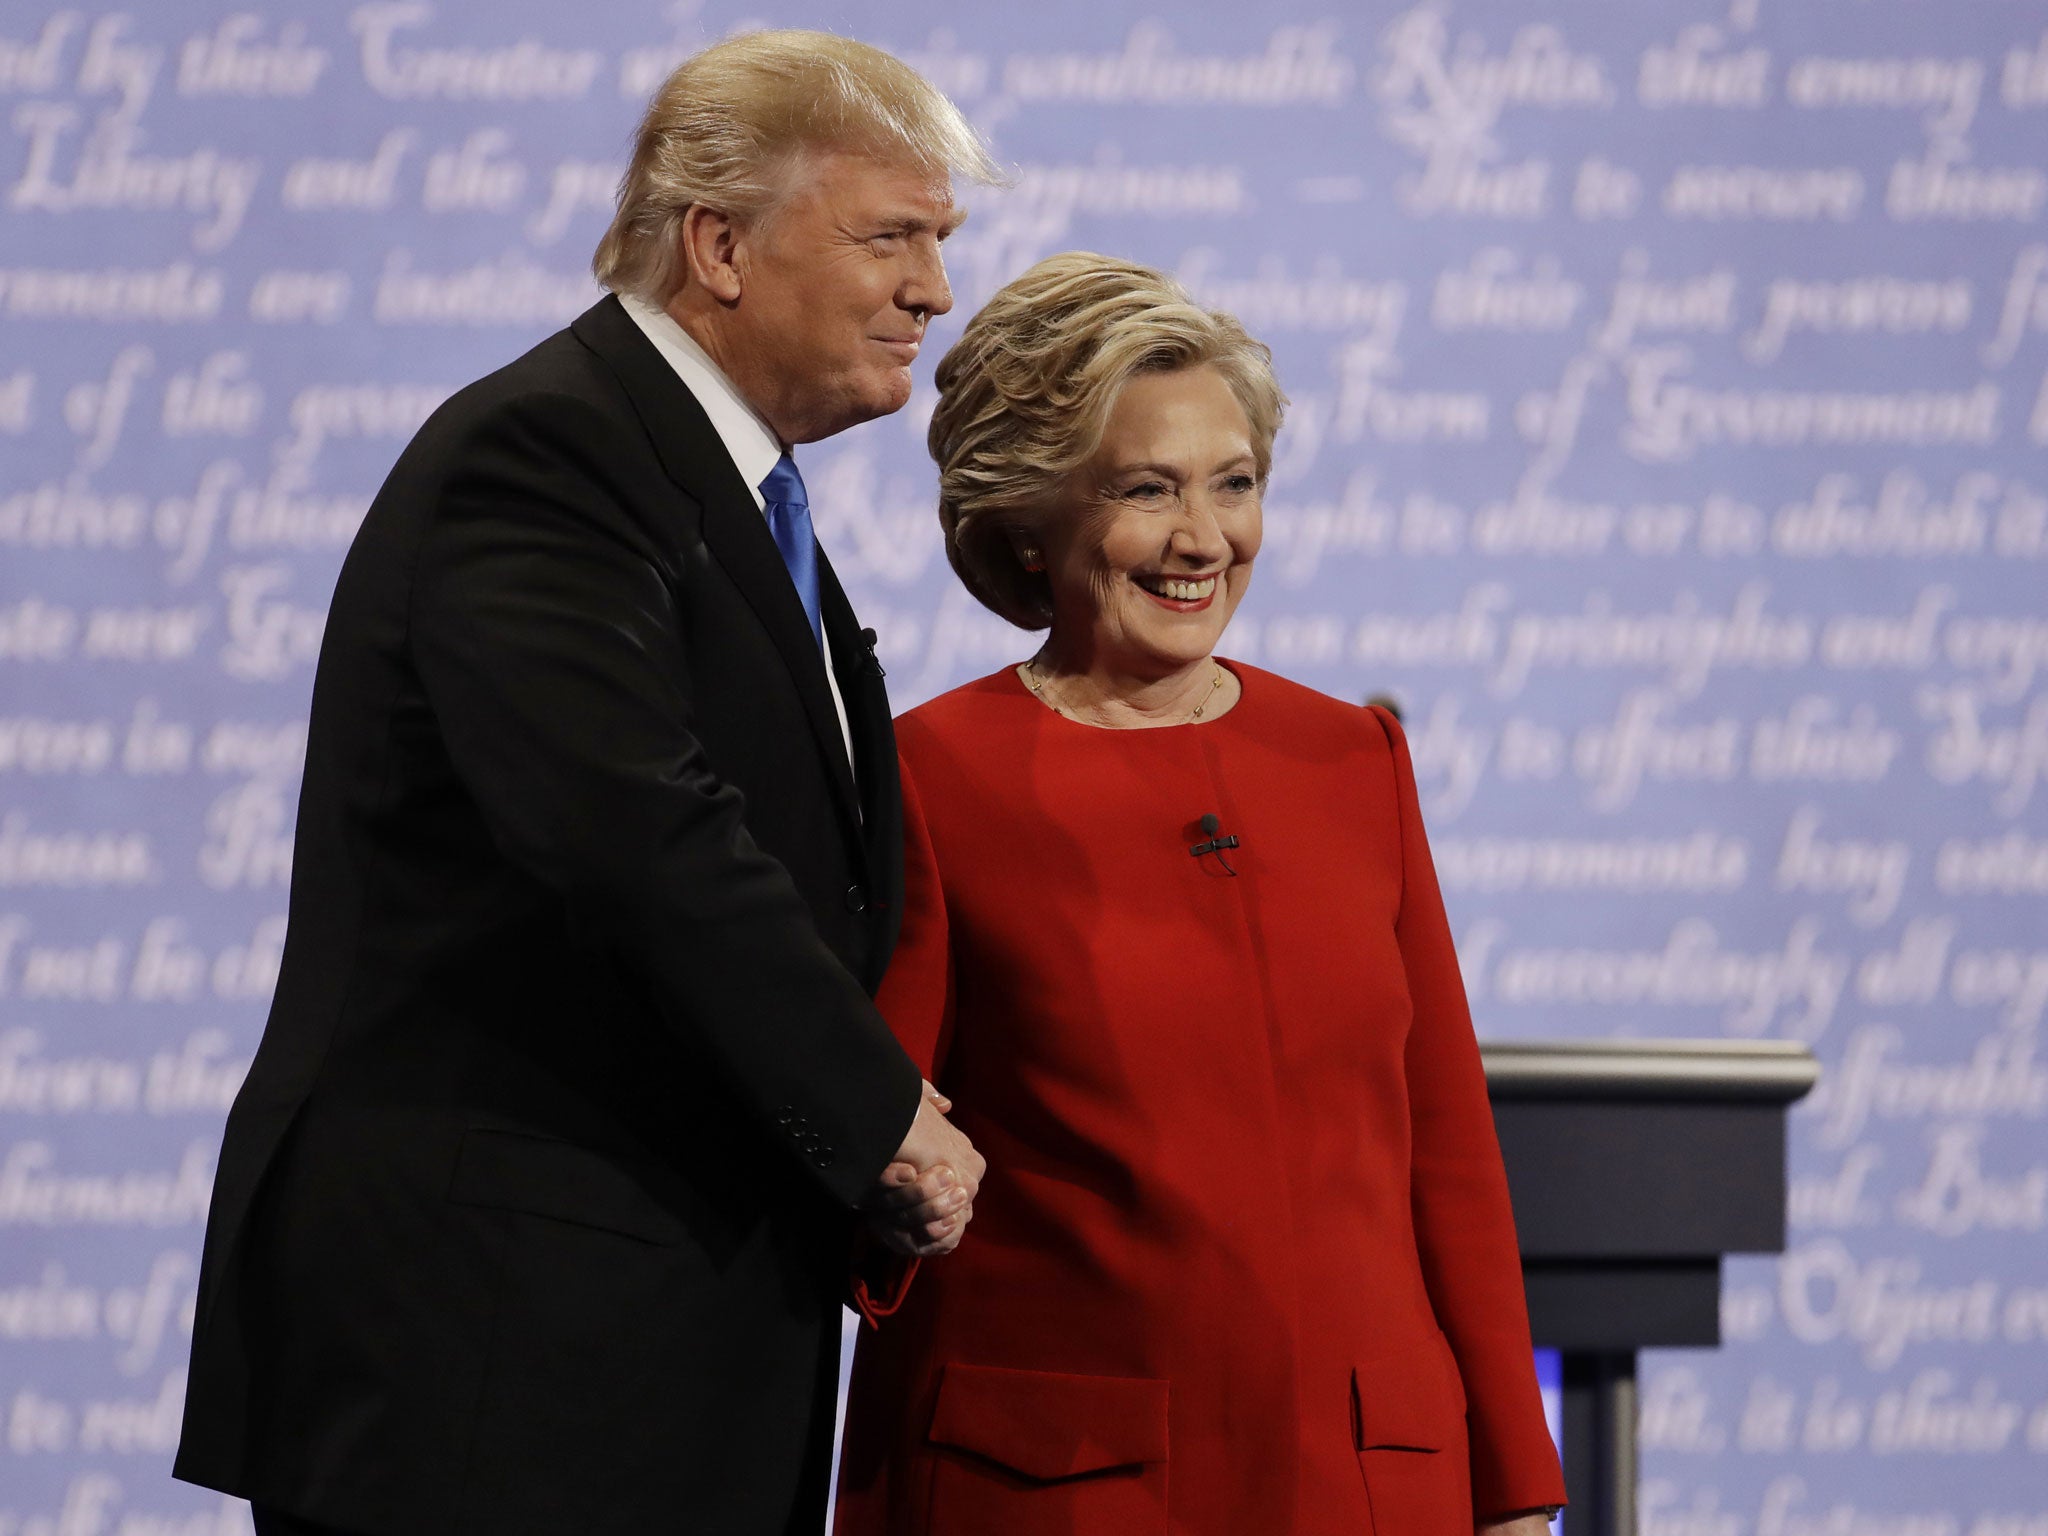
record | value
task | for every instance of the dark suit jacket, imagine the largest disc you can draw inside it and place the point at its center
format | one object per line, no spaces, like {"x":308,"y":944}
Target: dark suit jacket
{"x":533,"y":1214}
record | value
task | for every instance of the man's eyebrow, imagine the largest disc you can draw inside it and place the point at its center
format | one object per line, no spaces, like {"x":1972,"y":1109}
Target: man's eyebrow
{"x":918,"y":223}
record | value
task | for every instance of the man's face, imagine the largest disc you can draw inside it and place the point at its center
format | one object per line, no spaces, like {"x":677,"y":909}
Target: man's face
{"x":836,"y":288}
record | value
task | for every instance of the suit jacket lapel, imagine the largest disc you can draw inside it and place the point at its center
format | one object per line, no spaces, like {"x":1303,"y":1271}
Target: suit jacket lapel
{"x":696,"y":459}
{"x":874,"y":752}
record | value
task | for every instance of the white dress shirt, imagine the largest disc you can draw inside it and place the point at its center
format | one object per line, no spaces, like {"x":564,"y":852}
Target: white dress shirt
{"x":752,"y":444}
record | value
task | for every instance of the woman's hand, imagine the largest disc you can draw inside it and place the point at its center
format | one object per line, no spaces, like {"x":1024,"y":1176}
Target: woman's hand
{"x":925,"y":1215}
{"x":1531,"y":1524}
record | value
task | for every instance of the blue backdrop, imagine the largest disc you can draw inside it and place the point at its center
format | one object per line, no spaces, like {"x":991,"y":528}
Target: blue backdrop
{"x":1669,"y":431}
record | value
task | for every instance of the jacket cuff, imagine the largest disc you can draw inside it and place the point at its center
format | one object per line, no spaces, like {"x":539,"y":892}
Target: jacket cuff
{"x":878,"y":1280}
{"x":847,"y":1155}
{"x":1529,"y":1495}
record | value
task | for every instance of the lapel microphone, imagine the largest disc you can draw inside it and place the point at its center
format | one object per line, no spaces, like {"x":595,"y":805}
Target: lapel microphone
{"x":1212,"y":829}
{"x":873,"y":663}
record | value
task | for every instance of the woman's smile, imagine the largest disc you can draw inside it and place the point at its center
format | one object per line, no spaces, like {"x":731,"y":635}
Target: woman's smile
{"x":1180,"y":594}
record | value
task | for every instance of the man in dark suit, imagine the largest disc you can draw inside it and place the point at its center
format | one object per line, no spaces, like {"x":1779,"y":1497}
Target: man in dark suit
{"x":535,"y":1211}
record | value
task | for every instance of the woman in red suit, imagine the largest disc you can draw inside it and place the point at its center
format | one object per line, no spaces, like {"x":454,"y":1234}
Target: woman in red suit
{"x":1243,"y":1262}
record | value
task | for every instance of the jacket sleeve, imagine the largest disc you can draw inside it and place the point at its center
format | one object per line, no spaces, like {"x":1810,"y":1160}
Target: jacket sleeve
{"x":552,"y":656}
{"x":1464,"y":1225}
{"x":917,"y":1000}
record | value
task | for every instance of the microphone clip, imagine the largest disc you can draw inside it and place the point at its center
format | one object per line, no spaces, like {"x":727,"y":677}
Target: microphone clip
{"x":1217,"y":841}
{"x":870,"y":660}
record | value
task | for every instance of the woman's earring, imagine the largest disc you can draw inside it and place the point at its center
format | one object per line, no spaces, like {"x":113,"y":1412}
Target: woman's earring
{"x":1033,"y":560}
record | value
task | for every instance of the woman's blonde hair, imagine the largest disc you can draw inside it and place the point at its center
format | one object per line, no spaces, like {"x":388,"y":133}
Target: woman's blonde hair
{"x":728,"y":127}
{"x":1026,"y":393}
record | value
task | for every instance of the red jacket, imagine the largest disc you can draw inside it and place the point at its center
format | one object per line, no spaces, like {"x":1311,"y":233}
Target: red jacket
{"x":1243,"y":1264}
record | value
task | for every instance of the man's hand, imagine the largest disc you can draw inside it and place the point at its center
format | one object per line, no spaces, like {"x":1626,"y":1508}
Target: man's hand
{"x":923,"y":1201}
{"x":919,"y":1215}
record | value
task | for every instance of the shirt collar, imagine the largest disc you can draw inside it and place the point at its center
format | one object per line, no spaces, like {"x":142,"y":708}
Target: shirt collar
{"x":752,"y":444}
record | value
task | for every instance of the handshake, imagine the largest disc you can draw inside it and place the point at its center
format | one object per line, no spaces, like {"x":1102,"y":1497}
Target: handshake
{"x":921,"y":1204}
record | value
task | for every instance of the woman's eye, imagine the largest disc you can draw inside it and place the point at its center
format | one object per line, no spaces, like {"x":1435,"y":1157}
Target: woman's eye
{"x":1239,"y":485}
{"x":1151,"y":490}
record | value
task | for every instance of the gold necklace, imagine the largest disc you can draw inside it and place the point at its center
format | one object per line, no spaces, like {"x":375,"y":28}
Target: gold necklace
{"x":1036,"y":682}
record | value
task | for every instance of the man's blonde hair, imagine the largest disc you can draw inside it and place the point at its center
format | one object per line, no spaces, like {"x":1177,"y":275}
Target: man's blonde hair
{"x":728,"y":128}
{"x":1026,"y":393}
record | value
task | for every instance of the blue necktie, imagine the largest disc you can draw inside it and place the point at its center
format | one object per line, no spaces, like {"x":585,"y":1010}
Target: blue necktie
{"x":789,"y":521}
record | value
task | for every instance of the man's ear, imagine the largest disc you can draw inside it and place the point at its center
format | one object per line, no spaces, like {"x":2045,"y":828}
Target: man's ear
{"x":710,"y":251}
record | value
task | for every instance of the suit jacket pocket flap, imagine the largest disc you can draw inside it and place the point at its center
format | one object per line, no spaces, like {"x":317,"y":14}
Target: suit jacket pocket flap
{"x":559,"y":1180}
{"x":1408,"y":1402}
{"x":1047,"y":1425}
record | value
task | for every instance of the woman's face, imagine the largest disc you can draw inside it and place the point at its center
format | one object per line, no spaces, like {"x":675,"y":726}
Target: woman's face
{"x":1152,"y":546}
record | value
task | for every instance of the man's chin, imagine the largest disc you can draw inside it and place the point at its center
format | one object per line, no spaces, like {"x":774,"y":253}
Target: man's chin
{"x":895,"y":389}
{"x":881,"y":398}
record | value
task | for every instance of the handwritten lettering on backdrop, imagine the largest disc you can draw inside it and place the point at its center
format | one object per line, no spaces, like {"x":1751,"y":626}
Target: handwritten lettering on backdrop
{"x":1669,"y":430}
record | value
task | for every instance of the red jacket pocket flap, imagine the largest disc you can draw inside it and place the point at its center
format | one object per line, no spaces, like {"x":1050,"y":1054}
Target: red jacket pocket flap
{"x":1411,"y":1402}
{"x":1047,"y":1425}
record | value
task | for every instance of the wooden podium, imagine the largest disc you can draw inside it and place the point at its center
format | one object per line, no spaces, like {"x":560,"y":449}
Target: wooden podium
{"x":1633,"y":1166}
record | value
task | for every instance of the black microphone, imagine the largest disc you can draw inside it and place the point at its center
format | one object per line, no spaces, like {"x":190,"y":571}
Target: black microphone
{"x":873,"y":662}
{"x":1218,"y":840}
